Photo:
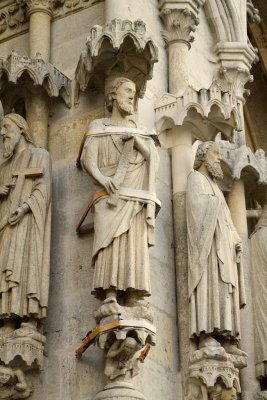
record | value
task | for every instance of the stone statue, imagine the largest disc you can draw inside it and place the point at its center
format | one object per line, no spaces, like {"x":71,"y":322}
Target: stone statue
{"x":13,"y":384}
{"x":25,"y":202}
{"x":258,"y":245}
{"x":123,"y":161}
{"x":122,"y":358}
{"x":216,"y":290}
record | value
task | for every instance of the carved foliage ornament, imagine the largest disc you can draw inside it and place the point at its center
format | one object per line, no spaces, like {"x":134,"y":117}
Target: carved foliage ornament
{"x":252,"y":13}
{"x":12,"y":17}
{"x":179,"y":25}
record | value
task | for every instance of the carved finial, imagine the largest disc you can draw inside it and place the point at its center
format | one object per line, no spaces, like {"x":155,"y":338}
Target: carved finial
{"x":179,"y":25}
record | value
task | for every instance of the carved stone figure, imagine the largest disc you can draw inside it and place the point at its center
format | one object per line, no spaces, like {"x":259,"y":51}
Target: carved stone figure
{"x":123,"y":161}
{"x":258,"y":243}
{"x":25,"y":202}
{"x":120,"y":358}
{"x":13,"y":384}
{"x":216,"y":287}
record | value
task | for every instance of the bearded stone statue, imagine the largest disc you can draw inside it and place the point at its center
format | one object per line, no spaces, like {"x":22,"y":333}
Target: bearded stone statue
{"x":25,"y":210}
{"x":123,"y":160}
{"x":214,"y":255}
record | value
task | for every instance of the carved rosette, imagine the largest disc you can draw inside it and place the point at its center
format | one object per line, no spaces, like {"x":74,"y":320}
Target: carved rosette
{"x":179,"y":25}
{"x":44,"y":74}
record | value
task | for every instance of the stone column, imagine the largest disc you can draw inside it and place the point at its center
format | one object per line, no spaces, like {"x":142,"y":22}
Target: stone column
{"x":37,"y":111}
{"x":179,"y":24}
{"x":39,"y":13}
{"x":37,"y":105}
{"x":237,"y":206}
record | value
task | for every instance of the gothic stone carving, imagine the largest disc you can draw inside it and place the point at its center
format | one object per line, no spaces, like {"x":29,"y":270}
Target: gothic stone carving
{"x":125,"y":347}
{"x":44,"y":74}
{"x":258,"y":245}
{"x":12,"y":18}
{"x":124,"y":212}
{"x":13,"y":384}
{"x":252,"y":13}
{"x":121,"y":48}
{"x":215,"y":277}
{"x":25,"y":212}
{"x":123,"y":160}
{"x":179,"y":25}
{"x":204,"y":102}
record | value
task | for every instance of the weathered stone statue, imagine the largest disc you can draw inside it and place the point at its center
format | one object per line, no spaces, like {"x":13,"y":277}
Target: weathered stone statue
{"x":258,"y":243}
{"x":25,"y":190}
{"x":214,"y":249}
{"x":123,"y":161}
{"x":216,"y":282}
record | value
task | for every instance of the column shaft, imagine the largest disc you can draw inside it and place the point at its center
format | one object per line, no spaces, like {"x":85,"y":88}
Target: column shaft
{"x":37,"y":109}
{"x":178,"y":68}
{"x":40,"y":32}
{"x":237,"y":206}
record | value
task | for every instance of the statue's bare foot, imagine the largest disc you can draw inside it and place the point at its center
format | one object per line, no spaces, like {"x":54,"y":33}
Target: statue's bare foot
{"x":31,"y":324}
{"x":233,"y":349}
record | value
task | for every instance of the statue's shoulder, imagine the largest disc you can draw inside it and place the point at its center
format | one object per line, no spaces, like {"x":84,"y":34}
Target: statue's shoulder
{"x":40,"y":153}
{"x":195,"y":176}
{"x":98,"y":123}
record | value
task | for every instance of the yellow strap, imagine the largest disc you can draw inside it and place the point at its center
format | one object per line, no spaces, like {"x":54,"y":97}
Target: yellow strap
{"x":97,"y":196}
{"x":92,"y":335}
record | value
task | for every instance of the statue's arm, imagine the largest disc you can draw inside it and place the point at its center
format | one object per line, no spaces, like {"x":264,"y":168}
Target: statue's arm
{"x":89,"y":160}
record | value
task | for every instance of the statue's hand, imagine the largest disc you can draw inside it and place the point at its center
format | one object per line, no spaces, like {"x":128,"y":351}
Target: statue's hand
{"x":238,"y":249}
{"x":18,"y":214}
{"x":109,"y":184}
{"x":127,"y":136}
{"x":4,"y":190}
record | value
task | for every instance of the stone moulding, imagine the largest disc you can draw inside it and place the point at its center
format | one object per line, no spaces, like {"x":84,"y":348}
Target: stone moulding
{"x":41,"y":73}
{"x":122,"y":46}
{"x":175,"y":109}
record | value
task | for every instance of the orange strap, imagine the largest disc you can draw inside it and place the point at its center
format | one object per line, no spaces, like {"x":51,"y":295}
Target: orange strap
{"x":144,"y":353}
{"x":88,"y":340}
{"x":97,"y":196}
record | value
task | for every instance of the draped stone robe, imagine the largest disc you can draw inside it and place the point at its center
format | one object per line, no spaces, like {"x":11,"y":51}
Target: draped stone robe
{"x":25,"y":247}
{"x":258,"y":246}
{"x":122,"y":233}
{"x":214,"y":277}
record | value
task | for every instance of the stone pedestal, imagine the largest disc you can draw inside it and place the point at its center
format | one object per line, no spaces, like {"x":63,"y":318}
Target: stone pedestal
{"x":119,"y":391}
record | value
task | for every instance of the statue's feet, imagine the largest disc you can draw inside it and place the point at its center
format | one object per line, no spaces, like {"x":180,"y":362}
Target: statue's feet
{"x":233,"y":349}
{"x":208,"y":341}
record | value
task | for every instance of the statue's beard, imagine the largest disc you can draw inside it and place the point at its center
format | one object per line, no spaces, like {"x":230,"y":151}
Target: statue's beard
{"x":9,"y":147}
{"x":215,"y":170}
{"x":125,"y":109}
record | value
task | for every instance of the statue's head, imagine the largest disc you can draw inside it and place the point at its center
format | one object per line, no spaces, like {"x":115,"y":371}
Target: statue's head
{"x":5,"y":374}
{"x":122,"y":92}
{"x":208,"y":153}
{"x":12,"y":128}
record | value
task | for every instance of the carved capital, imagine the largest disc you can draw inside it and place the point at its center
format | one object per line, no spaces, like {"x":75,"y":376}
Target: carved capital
{"x":33,"y":6}
{"x":179,"y":25}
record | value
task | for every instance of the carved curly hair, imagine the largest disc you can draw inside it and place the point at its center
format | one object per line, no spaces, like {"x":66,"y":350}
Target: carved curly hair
{"x":112,"y":91}
{"x":201,"y":153}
